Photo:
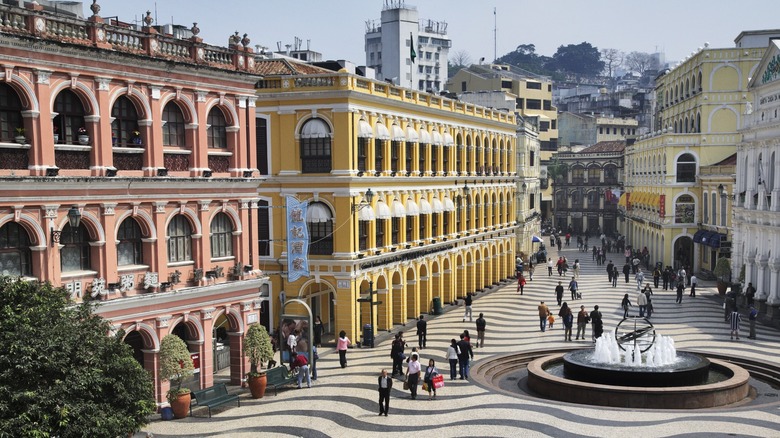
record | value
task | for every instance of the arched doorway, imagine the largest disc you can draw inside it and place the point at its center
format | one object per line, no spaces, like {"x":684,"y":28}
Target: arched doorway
{"x":414,"y":289}
{"x":683,"y":252}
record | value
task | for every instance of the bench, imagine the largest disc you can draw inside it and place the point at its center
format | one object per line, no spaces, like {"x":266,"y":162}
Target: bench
{"x":214,"y":396}
{"x":278,"y":376}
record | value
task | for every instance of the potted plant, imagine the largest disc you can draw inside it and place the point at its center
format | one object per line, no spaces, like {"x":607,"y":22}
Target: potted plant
{"x":723,"y":272}
{"x":257,"y":347}
{"x":136,"y":138}
{"x":20,"y":138}
{"x":56,"y":130}
{"x":83,"y":136}
{"x":175,"y":366}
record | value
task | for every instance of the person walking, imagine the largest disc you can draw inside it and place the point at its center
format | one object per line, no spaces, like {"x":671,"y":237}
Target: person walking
{"x":422,"y":332}
{"x":750,"y":294}
{"x":573,"y":288}
{"x":481,"y":323}
{"x":558,"y":242}
{"x":626,"y":270}
{"x":641,"y":301}
{"x":647,"y":293}
{"x":292,"y":343}
{"x":341,"y":345}
{"x":610,"y":268}
{"x":734,"y":321}
{"x":694,"y":282}
{"x":430,"y":373}
{"x":413,"y":374}
{"x":397,"y":353}
{"x":558,"y":293}
{"x":640,"y":278}
{"x":319,"y":329}
{"x":665,"y":276}
{"x":752,"y":316}
{"x":656,"y":276}
{"x":302,"y":365}
{"x":582,"y":322}
{"x":467,"y":302}
{"x":596,"y":323}
{"x":568,"y":318}
{"x":680,"y":290}
{"x":465,"y":353}
{"x":544,"y":310}
{"x":530,"y":270}
{"x":615,"y":276}
{"x":385,"y":385}
{"x":577,"y":268}
{"x":452,"y":357}
{"x":520,"y":283}
{"x":549,"y":266}
{"x":625,"y":304}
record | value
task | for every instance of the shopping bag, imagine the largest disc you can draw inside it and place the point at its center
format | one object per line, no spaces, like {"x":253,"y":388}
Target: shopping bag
{"x":438,"y":381}
{"x":406,"y":385}
{"x":425,"y":386}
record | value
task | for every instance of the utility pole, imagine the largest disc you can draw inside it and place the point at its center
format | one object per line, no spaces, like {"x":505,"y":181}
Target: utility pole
{"x":495,"y":35}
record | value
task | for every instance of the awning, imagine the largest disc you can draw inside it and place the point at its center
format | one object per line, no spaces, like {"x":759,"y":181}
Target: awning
{"x":697,"y":237}
{"x":425,"y":206}
{"x":364,"y":129}
{"x":318,"y":212}
{"x":425,"y":136}
{"x":315,"y":128}
{"x":398,"y":209}
{"x":366,"y":213}
{"x":397,"y":133}
{"x":448,"y":140}
{"x":622,"y":201}
{"x":382,"y":210}
{"x":437,"y":137}
{"x":656,"y":201}
{"x":411,"y":134}
{"x":714,"y":240}
{"x":411,"y":208}
{"x":448,"y":204}
{"x":381,"y":132}
{"x":438,"y":207}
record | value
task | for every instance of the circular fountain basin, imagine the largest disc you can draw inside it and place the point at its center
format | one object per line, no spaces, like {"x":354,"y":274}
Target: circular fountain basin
{"x":692,"y":396}
{"x":688,"y":369}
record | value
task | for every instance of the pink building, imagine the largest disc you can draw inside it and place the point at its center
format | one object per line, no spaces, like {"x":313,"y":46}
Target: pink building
{"x":128,"y":175}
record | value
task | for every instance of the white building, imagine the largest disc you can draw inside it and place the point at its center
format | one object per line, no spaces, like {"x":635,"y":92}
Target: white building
{"x":389,"y":44}
{"x":757,"y":194}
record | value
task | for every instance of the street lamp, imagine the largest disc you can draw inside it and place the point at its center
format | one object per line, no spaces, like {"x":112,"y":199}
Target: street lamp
{"x":721,"y":189}
{"x":74,"y":220}
{"x":369,"y":196}
{"x":524,"y":187}
{"x":371,"y":303}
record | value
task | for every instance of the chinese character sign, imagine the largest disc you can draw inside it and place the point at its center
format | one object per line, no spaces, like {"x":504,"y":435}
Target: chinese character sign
{"x":297,"y":240}
{"x":662,"y":206}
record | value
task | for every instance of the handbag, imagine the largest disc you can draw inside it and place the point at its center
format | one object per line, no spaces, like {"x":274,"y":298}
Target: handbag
{"x":406,"y":385}
{"x":425,"y":386}
{"x":438,"y":381}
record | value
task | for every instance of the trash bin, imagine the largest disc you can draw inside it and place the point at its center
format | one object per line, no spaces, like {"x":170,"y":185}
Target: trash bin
{"x":368,"y":336}
{"x":166,"y":413}
{"x":437,"y":306}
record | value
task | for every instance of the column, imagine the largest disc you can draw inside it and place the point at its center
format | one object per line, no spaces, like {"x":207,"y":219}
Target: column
{"x":41,"y":155}
{"x":750,"y":267}
{"x":761,"y":288}
{"x":774,"y":294}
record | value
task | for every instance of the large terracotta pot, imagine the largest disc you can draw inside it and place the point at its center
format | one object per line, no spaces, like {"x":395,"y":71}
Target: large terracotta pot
{"x":181,"y":405}
{"x":257,"y":385}
{"x":722,"y":286}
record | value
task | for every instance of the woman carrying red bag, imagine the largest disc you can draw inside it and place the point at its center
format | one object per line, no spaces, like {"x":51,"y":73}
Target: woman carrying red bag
{"x":430,"y":373}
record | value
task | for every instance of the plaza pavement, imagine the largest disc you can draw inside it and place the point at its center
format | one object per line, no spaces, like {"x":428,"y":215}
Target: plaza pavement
{"x":343,"y":402}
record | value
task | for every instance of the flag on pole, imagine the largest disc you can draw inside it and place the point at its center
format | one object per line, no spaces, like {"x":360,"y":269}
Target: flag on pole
{"x":412,"y":53}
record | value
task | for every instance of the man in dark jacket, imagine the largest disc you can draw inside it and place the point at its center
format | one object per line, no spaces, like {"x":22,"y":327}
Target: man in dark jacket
{"x":559,"y":292}
{"x":626,"y":270}
{"x":464,"y":354}
{"x":385,"y":385}
{"x":397,"y":353}
{"x":422,"y":331}
{"x":596,"y":323}
{"x":481,"y":330}
{"x":610,"y":268}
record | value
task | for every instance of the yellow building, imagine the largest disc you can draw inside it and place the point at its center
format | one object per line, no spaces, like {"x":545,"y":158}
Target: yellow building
{"x":408,"y":193}
{"x":700,"y":105}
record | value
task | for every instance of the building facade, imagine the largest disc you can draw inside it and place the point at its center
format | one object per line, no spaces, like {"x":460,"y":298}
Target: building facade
{"x":757,"y":193}
{"x":408,"y":51}
{"x":529,"y":192}
{"x":128,"y":178}
{"x":581,"y":130}
{"x":411,"y":197}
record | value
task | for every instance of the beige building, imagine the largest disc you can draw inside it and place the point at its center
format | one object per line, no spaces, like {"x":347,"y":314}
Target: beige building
{"x":581,"y":130}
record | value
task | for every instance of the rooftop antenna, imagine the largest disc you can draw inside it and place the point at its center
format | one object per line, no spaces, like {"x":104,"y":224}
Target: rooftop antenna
{"x":495,"y":34}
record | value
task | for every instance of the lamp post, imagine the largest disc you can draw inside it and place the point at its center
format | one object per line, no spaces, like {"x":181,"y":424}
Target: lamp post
{"x":368,"y":197}
{"x":371,"y":303}
{"x":721,"y":189}
{"x":74,"y":220}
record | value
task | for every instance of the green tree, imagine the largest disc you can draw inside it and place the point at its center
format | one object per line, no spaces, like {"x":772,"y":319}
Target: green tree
{"x":581,"y":59}
{"x":61,"y":373}
{"x":257,"y":347}
{"x":525,"y":57}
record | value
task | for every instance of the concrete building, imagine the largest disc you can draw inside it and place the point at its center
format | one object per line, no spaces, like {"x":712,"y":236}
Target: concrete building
{"x":757,"y":192}
{"x":529,"y":192}
{"x":399,"y":34}
{"x":127,"y":176}
{"x":411,"y":196}
{"x":581,"y":130}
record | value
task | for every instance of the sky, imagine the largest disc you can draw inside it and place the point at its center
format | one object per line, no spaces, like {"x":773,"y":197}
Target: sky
{"x":336,"y":28}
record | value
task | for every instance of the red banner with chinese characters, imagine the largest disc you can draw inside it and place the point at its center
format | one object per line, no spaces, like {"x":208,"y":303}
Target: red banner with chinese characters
{"x":662,"y":206}
{"x":628,"y":201}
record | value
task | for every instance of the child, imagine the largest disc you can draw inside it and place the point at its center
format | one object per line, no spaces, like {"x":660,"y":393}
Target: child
{"x":520,"y":284}
{"x":550,"y":320}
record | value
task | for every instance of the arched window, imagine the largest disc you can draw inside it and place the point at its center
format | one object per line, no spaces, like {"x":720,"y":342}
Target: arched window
{"x":684,"y":210}
{"x":124,"y":127}
{"x":221,"y":236}
{"x":15,"y":258}
{"x":173,"y":126}
{"x":10,"y":113}
{"x":319,"y":221}
{"x":686,"y":168}
{"x":315,"y":147}
{"x":129,"y":250}
{"x":179,"y":240}
{"x":75,"y":252}
{"x":217,"y":132}
{"x":713,"y":208}
{"x":70,"y":116}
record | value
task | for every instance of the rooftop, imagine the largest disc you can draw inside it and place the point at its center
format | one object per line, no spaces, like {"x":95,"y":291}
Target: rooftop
{"x":605,"y":146}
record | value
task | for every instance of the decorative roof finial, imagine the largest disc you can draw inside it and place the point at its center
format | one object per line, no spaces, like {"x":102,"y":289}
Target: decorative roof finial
{"x":195,"y":29}
{"x":234,"y":39}
{"x":245,"y":41}
{"x":148,"y":19}
{"x":95,"y":8}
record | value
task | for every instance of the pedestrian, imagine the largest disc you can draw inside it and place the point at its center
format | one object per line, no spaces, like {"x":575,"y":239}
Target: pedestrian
{"x":615,"y":276}
{"x":595,"y":252}
{"x":481,"y":323}
{"x":558,"y":293}
{"x":397,"y":353}
{"x":568,"y":319}
{"x":752,"y":316}
{"x":734,"y":320}
{"x":292,"y":343}
{"x":550,"y":320}
{"x":422,"y":332}
{"x":465,"y":353}
{"x":302,"y":365}
{"x":635,"y":264}
{"x":452,"y":357}
{"x":576,"y":268}
{"x":558,"y":243}
{"x":413,"y":374}
{"x":582,"y":321}
{"x":665,"y":277}
{"x":680,"y":290}
{"x":596,"y":323}
{"x":467,"y":302}
{"x":573,"y":288}
{"x":750,"y":294}
{"x":520,"y":283}
{"x":568,"y":239}
{"x":610,"y":268}
{"x":385,"y":385}
{"x":648,"y":292}
{"x":641,"y":301}
{"x":319,"y":328}
{"x":565,"y":267}
{"x":694,"y":282}
{"x":626,"y":270}
{"x":341,"y":345}
{"x":530,"y":270}
{"x":314,"y":358}
{"x":625,"y":304}
{"x":544,"y":310}
{"x":640,"y":278}
{"x":549,"y":266}
{"x":559,"y":266}
{"x":656,"y":276}
{"x":430,"y":373}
